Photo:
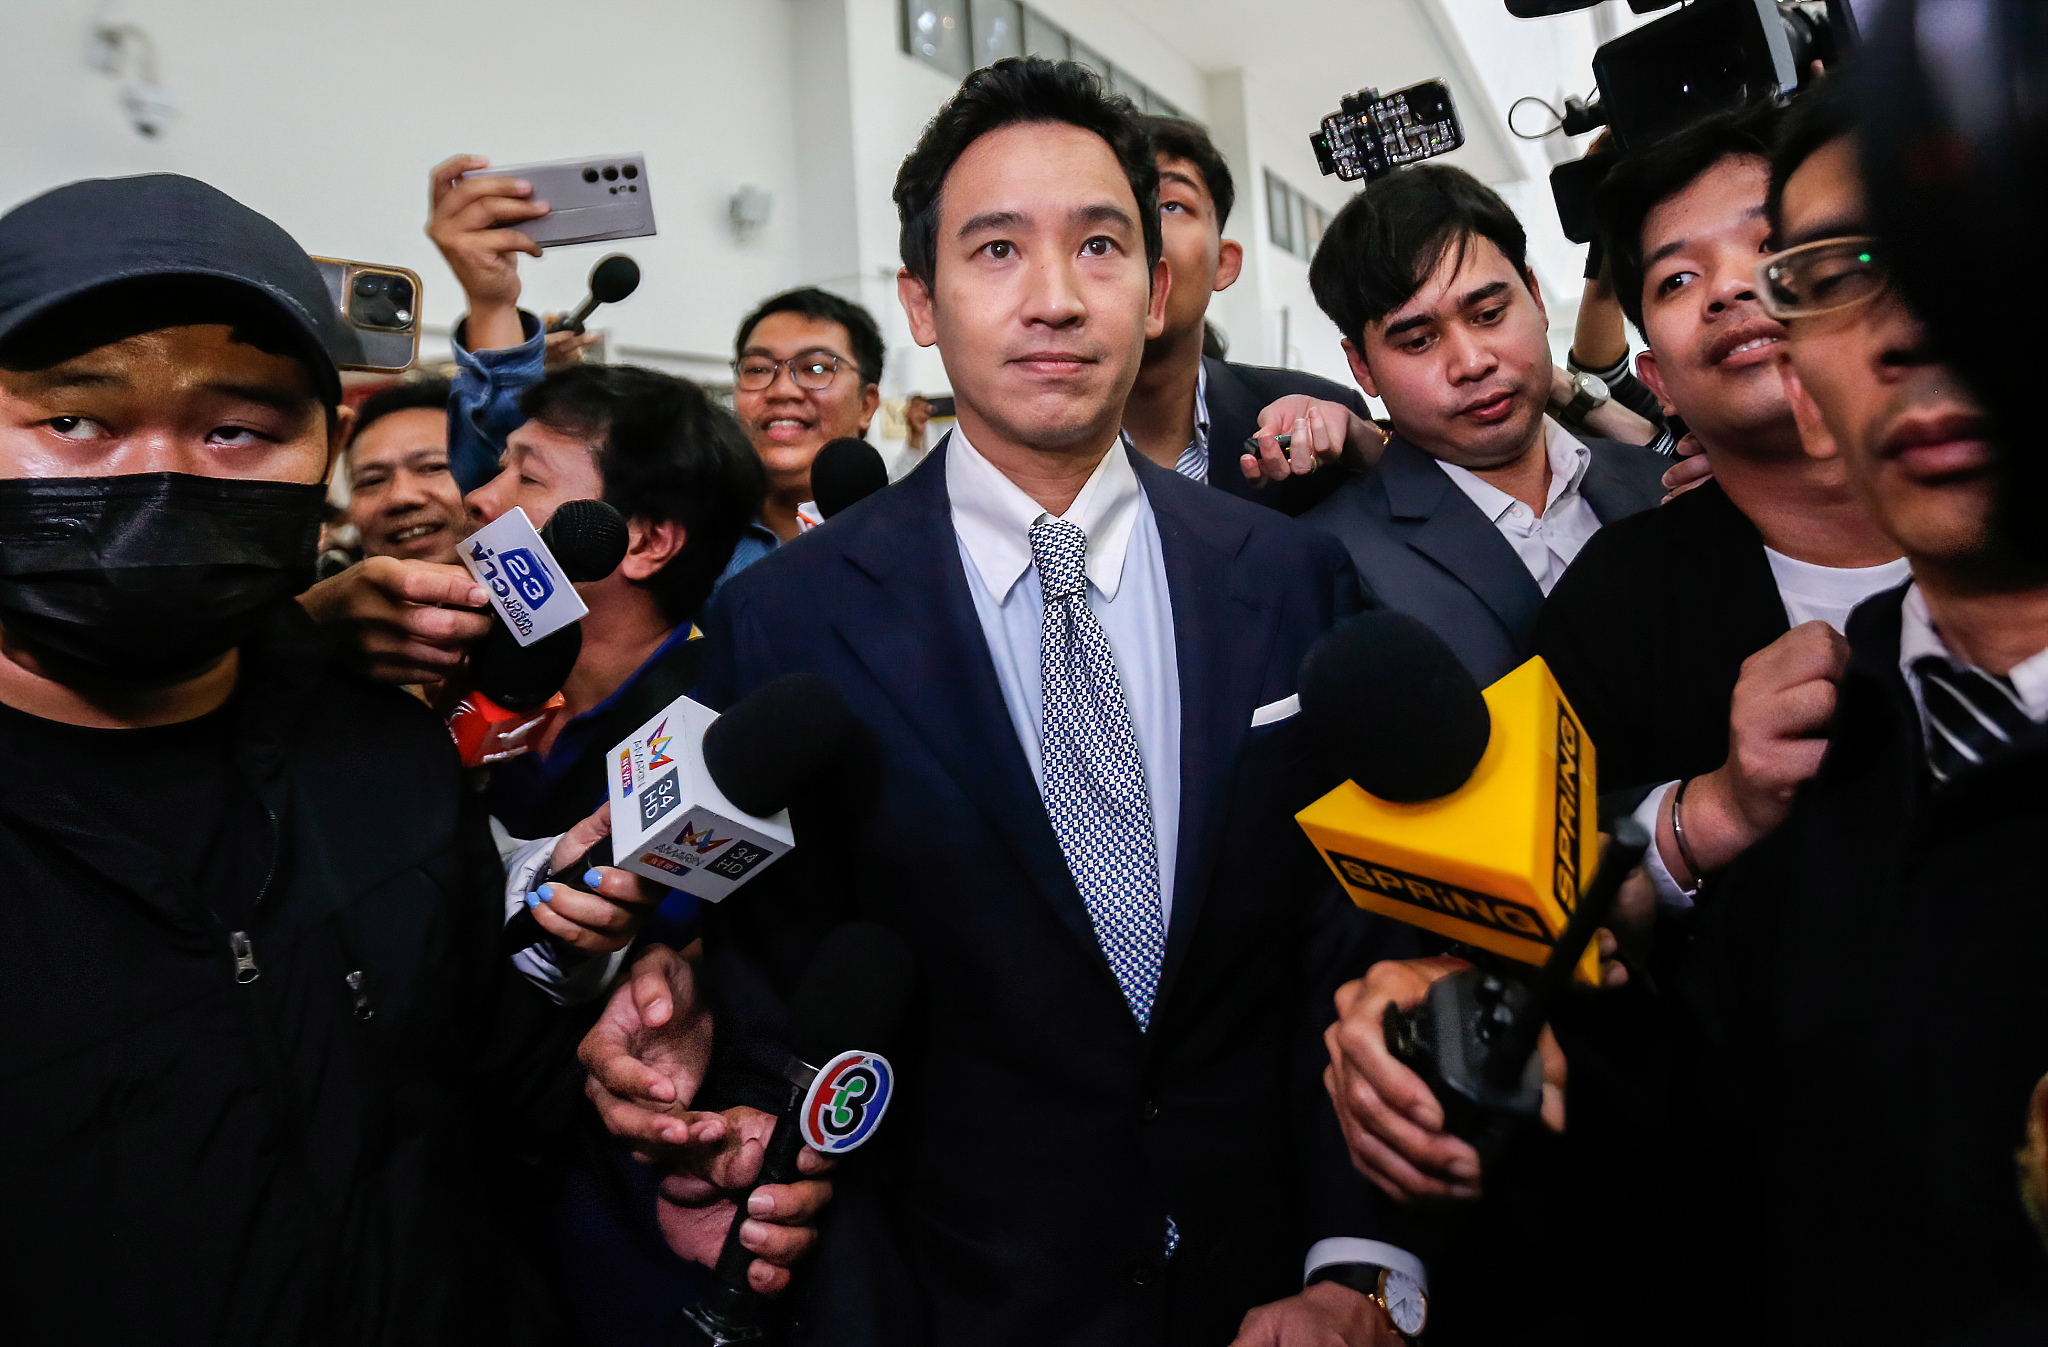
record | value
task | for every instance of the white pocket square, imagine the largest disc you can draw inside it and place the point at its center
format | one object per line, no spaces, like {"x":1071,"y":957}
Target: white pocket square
{"x":1276,"y":711}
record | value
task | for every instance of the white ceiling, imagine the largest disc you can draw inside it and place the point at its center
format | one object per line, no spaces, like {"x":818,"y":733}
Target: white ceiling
{"x":1301,"y":56}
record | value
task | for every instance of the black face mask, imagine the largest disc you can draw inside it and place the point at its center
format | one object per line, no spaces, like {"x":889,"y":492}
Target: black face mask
{"x":140,"y":579}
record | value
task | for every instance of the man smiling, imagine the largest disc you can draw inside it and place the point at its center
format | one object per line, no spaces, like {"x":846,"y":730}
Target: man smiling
{"x":1077,"y":668}
{"x":1479,"y":502}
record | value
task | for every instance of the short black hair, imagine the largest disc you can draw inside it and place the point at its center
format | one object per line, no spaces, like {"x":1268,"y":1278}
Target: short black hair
{"x":426,"y":392}
{"x":1390,"y":237}
{"x":825,"y":307}
{"x":667,"y":452}
{"x":1822,"y":114}
{"x":1180,"y":138}
{"x":1646,"y":178}
{"x":1013,"y":90}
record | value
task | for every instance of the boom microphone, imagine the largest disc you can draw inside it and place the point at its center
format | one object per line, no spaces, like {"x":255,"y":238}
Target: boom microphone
{"x":846,"y":470}
{"x":611,"y":280}
{"x":846,"y":1010}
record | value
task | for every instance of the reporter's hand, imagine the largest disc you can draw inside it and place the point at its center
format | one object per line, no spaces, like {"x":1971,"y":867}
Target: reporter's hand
{"x":1321,"y":432}
{"x":698,"y":1203}
{"x":405,"y":621}
{"x":1777,"y":736}
{"x":559,"y":350}
{"x":1689,"y":471}
{"x":606,"y":912}
{"x":647,"y":1055}
{"x":1392,"y":1123}
{"x":473,"y":221}
{"x":1325,"y":1315}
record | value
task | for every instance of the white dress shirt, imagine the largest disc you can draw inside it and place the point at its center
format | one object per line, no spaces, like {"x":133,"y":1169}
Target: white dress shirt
{"x":1546,"y":543}
{"x":1918,"y":637}
{"x":992,"y":519}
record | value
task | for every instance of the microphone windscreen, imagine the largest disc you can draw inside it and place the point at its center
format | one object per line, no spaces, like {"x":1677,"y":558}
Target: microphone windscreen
{"x":522,"y":678}
{"x":853,"y":994}
{"x":1393,"y":709}
{"x":613,"y":278}
{"x":775,"y":739}
{"x":588,"y":539}
{"x":844,"y":471}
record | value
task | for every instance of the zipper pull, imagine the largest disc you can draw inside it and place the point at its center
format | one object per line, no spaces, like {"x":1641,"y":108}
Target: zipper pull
{"x":244,"y":951}
{"x":364,"y":1010}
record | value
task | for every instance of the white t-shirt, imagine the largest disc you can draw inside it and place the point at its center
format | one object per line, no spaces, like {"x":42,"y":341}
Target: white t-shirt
{"x":1827,"y":593}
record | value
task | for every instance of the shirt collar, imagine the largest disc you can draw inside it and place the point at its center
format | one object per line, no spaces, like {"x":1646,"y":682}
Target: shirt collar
{"x":1569,"y":459}
{"x":1919,"y":638}
{"x":993,"y":516}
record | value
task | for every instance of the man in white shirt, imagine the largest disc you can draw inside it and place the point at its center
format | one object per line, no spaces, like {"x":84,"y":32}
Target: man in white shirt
{"x":1480,"y":500}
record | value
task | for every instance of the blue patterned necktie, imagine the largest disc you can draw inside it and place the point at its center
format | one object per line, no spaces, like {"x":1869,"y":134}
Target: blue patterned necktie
{"x":1095,"y":791}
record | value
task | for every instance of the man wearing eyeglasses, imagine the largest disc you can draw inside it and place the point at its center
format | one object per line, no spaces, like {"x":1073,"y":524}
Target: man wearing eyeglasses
{"x":807,"y":370}
{"x":1867,"y":976}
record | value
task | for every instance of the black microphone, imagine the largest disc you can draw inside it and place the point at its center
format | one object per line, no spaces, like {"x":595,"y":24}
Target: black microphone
{"x":588,"y":540}
{"x":844,"y":471}
{"x":851,"y":1001}
{"x":774,"y":742}
{"x":1394,"y":708}
{"x":611,"y":280}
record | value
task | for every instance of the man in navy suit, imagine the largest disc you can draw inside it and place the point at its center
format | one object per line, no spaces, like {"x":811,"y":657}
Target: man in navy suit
{"x":1077,"y":671}
{"x":1480,"y":500}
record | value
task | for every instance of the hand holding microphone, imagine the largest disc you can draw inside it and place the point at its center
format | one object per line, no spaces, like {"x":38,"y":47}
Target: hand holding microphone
{"x":403,"y":621}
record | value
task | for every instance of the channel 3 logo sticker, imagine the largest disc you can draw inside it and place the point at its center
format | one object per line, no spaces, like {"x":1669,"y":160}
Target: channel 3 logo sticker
{"x":525,"y":583}
{"x":846,"y":1101}
{"x":528,"y":576}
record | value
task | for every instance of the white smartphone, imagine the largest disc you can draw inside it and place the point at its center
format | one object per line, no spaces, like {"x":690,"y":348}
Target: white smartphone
{"x":601,"y":196}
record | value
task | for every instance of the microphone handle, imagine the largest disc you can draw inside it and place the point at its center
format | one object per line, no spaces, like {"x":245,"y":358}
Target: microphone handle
{"x":731,"y":1311}
{"x":522,"y":931}
{"x":574,"y":322}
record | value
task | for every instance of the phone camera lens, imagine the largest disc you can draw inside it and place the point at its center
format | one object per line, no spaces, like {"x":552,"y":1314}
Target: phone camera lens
{"x":368,"y":287}
{"x":590,"y":175}
{"x":631,"y":171}
{"x":401,"y":292}
{"x":610,"y":174}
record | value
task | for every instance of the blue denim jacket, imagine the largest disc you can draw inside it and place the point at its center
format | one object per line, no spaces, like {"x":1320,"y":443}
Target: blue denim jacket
{"x":484,"y":407}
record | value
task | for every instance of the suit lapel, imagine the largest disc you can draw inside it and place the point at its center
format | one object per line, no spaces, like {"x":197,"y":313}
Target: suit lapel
{"x":1222,"y":638}
{"x":1611,"y":492}
{"x":1233,"y":416}
{"x":1441,"y":522}
{"x":923,"y":644}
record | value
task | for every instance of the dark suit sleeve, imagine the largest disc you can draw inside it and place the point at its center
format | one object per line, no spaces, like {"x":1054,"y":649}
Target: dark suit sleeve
{"x":1587,"y":634}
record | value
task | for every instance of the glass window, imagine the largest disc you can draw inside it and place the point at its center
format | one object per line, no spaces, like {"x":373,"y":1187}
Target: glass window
{"x":935,"y":31}
{"x":1317,"y":222}
{"x":1043,"y":37}
{"x":1278,"y":217}
{"x":1091,"y":58}
{"x":998,"y":31}
{"x":1163,"y":108}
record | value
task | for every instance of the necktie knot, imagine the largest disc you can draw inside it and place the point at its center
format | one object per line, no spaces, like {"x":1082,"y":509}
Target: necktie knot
{"x":1971,"y":715}
{"x":1060,"y":551}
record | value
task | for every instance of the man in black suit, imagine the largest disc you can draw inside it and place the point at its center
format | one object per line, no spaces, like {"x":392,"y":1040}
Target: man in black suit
{"x":1195,"y":413}
{"x":1077,"y":671}
{"x":1480,"y":501}
{"x":1874,"y":1085}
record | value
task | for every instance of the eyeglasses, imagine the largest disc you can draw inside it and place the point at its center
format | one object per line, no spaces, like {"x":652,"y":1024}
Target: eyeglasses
{"x":1821,"y":277}
{"x":813,"y":370}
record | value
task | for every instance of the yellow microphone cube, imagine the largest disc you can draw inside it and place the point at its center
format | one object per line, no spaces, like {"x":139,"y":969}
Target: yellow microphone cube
{"x":1500,"y":862}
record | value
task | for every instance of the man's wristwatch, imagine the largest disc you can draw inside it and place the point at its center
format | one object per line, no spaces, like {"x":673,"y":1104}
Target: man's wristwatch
{"x":1589,"y":395}
{"x":1393,"y":1290}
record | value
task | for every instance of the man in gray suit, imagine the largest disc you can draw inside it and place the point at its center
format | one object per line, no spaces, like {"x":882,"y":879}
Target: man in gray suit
{"x":1481,"y":500}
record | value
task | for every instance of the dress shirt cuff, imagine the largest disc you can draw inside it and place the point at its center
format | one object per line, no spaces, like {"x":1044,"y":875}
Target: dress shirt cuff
{"x":566,"y":974}
{"x":1343,"y":1249}
{"x":1670,"y":893}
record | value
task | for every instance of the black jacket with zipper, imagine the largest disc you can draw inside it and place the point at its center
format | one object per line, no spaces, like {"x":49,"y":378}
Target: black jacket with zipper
{"x":283,"y":1132}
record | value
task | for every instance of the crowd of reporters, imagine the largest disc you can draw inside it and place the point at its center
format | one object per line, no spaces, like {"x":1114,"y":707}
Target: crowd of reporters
{"x":273,"y":1076}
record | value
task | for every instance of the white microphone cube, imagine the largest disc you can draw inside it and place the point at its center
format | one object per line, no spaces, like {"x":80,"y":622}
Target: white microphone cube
{"x":671,"y":823}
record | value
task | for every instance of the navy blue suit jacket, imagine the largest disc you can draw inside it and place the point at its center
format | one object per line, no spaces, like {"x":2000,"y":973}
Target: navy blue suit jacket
{"x":1019,"y":1191}
{"x":1423,"y":547}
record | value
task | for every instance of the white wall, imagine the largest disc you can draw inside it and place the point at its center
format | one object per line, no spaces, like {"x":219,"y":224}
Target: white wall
{"x":327,"y":118}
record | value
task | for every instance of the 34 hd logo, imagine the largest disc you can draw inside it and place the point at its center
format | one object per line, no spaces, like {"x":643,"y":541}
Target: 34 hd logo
{"x":846,"y":1102}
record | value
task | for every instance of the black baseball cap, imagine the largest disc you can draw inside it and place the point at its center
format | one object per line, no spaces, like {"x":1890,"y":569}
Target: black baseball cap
{"x":78,"y":238}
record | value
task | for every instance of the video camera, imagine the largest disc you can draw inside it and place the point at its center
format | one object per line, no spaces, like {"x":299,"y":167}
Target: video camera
{"x":1709,"y":56}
